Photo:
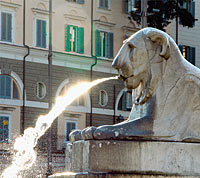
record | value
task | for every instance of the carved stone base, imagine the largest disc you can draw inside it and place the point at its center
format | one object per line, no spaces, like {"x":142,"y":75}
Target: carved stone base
{"x":134,"y":159}
{"x":112,"y":175}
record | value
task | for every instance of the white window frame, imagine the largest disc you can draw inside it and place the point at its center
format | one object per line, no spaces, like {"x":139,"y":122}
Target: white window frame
{"x":13,"y":31}
{"x":35,"y":32}
{"x":72,"y":120}
{"x":103,"y":7}
{"x":45,"y":91}
{"x":131,"y":5}
{"x":7,"y":114}
{"x":105,"y":31}
{"x":106,"y":99}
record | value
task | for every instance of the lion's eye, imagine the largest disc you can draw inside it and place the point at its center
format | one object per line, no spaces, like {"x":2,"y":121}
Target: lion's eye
{"x":130,"y":45}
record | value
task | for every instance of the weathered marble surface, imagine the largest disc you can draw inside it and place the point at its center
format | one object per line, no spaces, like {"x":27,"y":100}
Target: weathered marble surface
{"x":135,"y":159}
{"x":164,"y":158}
{"x":109,"y":175}
{"x":167,"y":95}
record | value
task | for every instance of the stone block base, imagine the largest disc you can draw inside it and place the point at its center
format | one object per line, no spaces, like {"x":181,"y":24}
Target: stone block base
{"x":111,"y":175}
{"x":132,"y":159}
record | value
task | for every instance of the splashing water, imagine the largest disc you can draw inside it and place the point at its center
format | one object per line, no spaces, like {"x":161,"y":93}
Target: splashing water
{"x":25,"y":155}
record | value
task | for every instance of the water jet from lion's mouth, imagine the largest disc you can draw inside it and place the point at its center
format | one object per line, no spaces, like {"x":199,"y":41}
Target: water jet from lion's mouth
{"x":25,"y":155}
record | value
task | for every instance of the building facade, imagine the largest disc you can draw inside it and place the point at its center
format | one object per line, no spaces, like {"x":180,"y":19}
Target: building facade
{"x":84,"y":45}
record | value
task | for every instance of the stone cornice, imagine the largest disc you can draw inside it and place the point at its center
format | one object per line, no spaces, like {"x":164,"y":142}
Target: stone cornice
{"x":109,"y":24}
{"x":74,"y":17}
{"x":11,"y":5}
{"x":40,"y":11}
{"x":131,"y":29}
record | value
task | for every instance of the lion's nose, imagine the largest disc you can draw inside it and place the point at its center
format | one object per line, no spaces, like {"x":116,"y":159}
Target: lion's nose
{"x":115,"y":63}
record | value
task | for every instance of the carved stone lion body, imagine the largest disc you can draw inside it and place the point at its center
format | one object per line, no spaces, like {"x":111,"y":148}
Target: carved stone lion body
{"x":168,"y":92}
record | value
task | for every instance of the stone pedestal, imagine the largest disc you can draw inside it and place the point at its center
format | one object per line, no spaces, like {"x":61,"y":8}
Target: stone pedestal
{"x":133,"y":159}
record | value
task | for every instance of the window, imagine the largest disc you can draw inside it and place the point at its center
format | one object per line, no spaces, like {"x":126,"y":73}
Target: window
{"x":41,"y":33}
{"x":77,"y":1}
{"x":188,"y":53}
{"x":104,"y":4}
{"x":131,"y":5}
{"x":80,"y":101}
{"x":4,"y":128}
{"x":8,"y":88}
{"x":70,"y":126}
{"x":104,"y":44}
{"x":74,"y":39}
{"x":125,"y":102}
{"x":40,"y":90}
{"x":6,"y":27}
{"x":103,"y":98}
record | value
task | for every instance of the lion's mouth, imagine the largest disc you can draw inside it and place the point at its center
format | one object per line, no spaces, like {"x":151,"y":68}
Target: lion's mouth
{"x":124,"y":78}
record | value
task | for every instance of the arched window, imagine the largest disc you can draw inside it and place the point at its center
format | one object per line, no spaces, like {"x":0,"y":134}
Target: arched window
{"x":80,"y":101}
{"x":125,"y":102}
{"x":8,"y":87}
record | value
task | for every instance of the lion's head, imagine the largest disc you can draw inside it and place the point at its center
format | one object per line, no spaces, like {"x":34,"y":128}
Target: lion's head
{"x":136,"y":56}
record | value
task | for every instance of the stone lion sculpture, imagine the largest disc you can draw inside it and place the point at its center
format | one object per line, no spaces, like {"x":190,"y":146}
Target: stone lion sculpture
{"x":167,"y":102}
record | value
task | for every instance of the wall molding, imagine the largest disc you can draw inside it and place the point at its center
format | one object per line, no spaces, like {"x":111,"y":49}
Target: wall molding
{"x":10,"y":5}
{"x":16,"y":52}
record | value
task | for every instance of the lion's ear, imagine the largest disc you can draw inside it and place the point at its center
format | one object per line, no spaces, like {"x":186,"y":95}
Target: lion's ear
{"x":160,"y":38}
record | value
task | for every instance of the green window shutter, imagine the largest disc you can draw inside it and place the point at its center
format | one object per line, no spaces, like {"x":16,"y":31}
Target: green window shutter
{"x":68,"y":37}
{"x":6,"y":27}
{"x":15,"y":91}
{"x":109,"y":46}
{"x":43,"y":34}
{"x":98,"y":43}
{"x":81,"y":1}
{"x":104,"y":36}
{"x":5,"y":86}
{"x":192,"y":55}
{"x":75,"y":42}
{"x":106,"y":4}
{"x":181,"y":48}
{"x":9,"y":27}
{"x":188,"y":54}
{"x":125,"y":6}
{"x":80,"y":40}
{"x":8,"y":86}
{"x":38,"y":33}
{"x":192,"y":10}
{"x":3,"y":26}
{"x":101,"y":3}
{"x":125,"y":101}
{"x":2,"y":86}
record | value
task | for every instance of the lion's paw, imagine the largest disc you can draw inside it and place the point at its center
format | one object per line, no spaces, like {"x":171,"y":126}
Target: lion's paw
{"x":87,"y":133}
{"x":75,"y":135}
{"x":105,"y":133}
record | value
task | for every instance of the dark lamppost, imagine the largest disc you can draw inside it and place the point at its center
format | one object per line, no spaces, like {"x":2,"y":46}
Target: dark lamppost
{"x":49,"y":149}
